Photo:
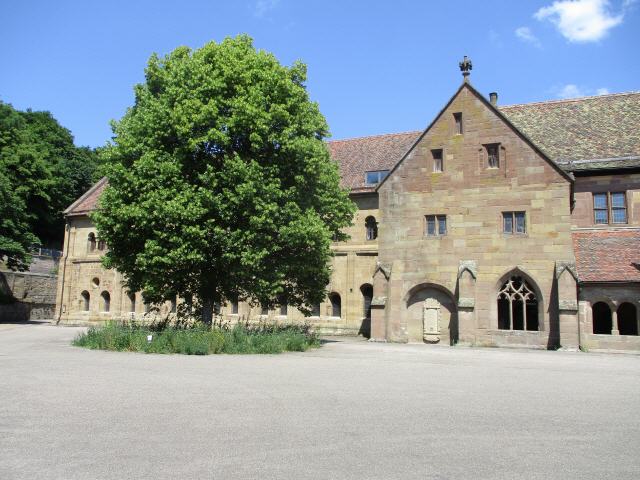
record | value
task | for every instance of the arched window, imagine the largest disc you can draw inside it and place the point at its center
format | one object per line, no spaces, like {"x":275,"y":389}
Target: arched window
{"x":132,"y":302}
{"x":91,"y":242}
{"x":517,"y":305}
{"x":174,"y":305}
{"x":101,"y":244}
{"x":601,"y":317}
{"x":86,"y":300}
{"x":315,"y":311}
{"x":371,"y":227}
{"x":627,"y":319}
{"x":367,"y":297}
{"x":336,"y":305}
{"x":264,"y":310}
{"x":106,"y":301}
{"x":234,"y":306}
{"x":284,"y":310}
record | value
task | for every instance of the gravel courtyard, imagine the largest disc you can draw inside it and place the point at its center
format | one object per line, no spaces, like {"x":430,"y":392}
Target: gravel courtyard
{"x":351,"y":409}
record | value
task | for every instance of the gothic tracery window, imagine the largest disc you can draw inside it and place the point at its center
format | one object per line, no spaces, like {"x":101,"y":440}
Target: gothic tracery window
{"x":517,"y":305}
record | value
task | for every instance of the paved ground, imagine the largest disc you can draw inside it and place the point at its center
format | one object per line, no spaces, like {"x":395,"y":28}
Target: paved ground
{"x":349,"y":410}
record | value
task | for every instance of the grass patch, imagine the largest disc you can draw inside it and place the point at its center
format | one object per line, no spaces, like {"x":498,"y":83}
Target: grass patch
{"x":198,"y":339}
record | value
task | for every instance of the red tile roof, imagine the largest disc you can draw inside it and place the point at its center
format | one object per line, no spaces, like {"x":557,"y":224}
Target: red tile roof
{"x":355,"y":156}
{"x":87,"y":202}
{"x":593,"y":132}
{"x":587,"y":128}
{"x":607,"y":256}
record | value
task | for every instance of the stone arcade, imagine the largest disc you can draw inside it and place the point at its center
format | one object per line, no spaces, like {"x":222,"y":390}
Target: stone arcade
{"x":510,"y":225}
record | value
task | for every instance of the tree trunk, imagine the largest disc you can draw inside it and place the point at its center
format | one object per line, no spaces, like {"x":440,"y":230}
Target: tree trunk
{"x":207,"y":311}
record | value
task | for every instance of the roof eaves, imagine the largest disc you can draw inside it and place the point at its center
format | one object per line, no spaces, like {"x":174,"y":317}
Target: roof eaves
{"x":69,"y":211}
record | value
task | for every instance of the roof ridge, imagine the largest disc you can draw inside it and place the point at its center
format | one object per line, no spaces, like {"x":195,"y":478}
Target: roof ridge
{"x":375,"y":136}
{"x":571,"y":100}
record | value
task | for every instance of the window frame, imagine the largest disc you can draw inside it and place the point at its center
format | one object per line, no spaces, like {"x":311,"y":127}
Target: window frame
{"x":487,"y":148}
{"x":439,"y":151}
{"x":437,"y":219}
{"x":381,"y":175}
{"x":458,"y":124}
{"x":609,"y":208}
{"x":513,"y":215}
{"x":370,"y":228}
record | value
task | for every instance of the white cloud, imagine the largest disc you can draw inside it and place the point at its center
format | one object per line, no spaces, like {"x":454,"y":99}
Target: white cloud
{"x":571,"y":90}
{"x":525,"y":34}
{"x":583,"y":20}
{"x":262,"y":7}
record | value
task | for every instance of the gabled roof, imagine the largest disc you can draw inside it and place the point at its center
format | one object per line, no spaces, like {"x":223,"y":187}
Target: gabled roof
{"x":595,"y":261}
{"x":478,"y":95}
{"x":589,"y":128}
{"x":87,"y":202}
{"x":356,"y":156}
{"x":580,"y":134}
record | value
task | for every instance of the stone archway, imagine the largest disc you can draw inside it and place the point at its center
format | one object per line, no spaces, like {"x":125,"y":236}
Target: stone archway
{"x":431,"y":315}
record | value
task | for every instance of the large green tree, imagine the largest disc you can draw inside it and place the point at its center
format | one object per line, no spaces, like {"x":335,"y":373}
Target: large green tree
{"x":44,"y":172}
{"x":220,"y":184}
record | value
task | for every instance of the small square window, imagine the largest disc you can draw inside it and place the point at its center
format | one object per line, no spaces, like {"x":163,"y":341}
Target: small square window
{"x":514,"y":223}
{"x":436,"y":225}
{"x":493,"y":155}
{"x":437,"y":160}
{"x":457,"y":117}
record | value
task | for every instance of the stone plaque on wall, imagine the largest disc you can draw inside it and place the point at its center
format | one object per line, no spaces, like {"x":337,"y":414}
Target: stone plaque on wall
{"x":431,"y":318}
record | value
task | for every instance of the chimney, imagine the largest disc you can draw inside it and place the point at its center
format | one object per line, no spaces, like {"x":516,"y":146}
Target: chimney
{"x":493,"y":98}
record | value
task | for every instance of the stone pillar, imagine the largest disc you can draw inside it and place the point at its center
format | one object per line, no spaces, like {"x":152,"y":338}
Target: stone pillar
{"x":614,"y":322}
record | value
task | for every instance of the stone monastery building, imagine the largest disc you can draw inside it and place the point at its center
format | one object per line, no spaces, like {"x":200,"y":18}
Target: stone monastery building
{"x":496,"y":225}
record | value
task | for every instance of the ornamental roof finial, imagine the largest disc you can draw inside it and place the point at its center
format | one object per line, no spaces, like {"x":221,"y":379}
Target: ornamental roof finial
{"x":465,"y":67}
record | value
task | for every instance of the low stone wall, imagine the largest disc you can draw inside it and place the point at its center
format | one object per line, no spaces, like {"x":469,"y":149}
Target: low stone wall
{"x":27,"y":296}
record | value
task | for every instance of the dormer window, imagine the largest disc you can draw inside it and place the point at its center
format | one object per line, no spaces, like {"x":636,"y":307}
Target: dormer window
{"x":457,"y":117}
{"x":374,"y":177}
{"x":493,"y":155}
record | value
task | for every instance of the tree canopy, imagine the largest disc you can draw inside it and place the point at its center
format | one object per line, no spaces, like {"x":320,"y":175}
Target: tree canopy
{"x":220,"y":184}
{"x":41,"y":173}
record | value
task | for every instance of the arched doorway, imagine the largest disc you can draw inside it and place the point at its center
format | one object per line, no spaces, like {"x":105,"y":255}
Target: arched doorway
{"x":431,"y":315}
{"x":627,"y":319}
{"x":367,"y":297}
{"x":601,"y":318}
{"x":336,"y":304}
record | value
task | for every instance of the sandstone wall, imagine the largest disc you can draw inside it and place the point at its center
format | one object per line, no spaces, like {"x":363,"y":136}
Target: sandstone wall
{"x":473,"y":196}
{"x":81,"y":271}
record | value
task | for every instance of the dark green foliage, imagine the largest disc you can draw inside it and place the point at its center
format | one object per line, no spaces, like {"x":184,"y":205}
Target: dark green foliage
{"x":198,"y":339}
{"x":220,"y":183}
{"x":43,"y":173}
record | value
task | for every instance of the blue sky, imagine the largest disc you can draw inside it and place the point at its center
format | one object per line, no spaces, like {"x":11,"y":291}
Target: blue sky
{"x":374,"y":67}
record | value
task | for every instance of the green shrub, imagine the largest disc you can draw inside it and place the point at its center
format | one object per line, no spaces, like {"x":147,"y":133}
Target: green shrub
{"x":198,"y":339}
